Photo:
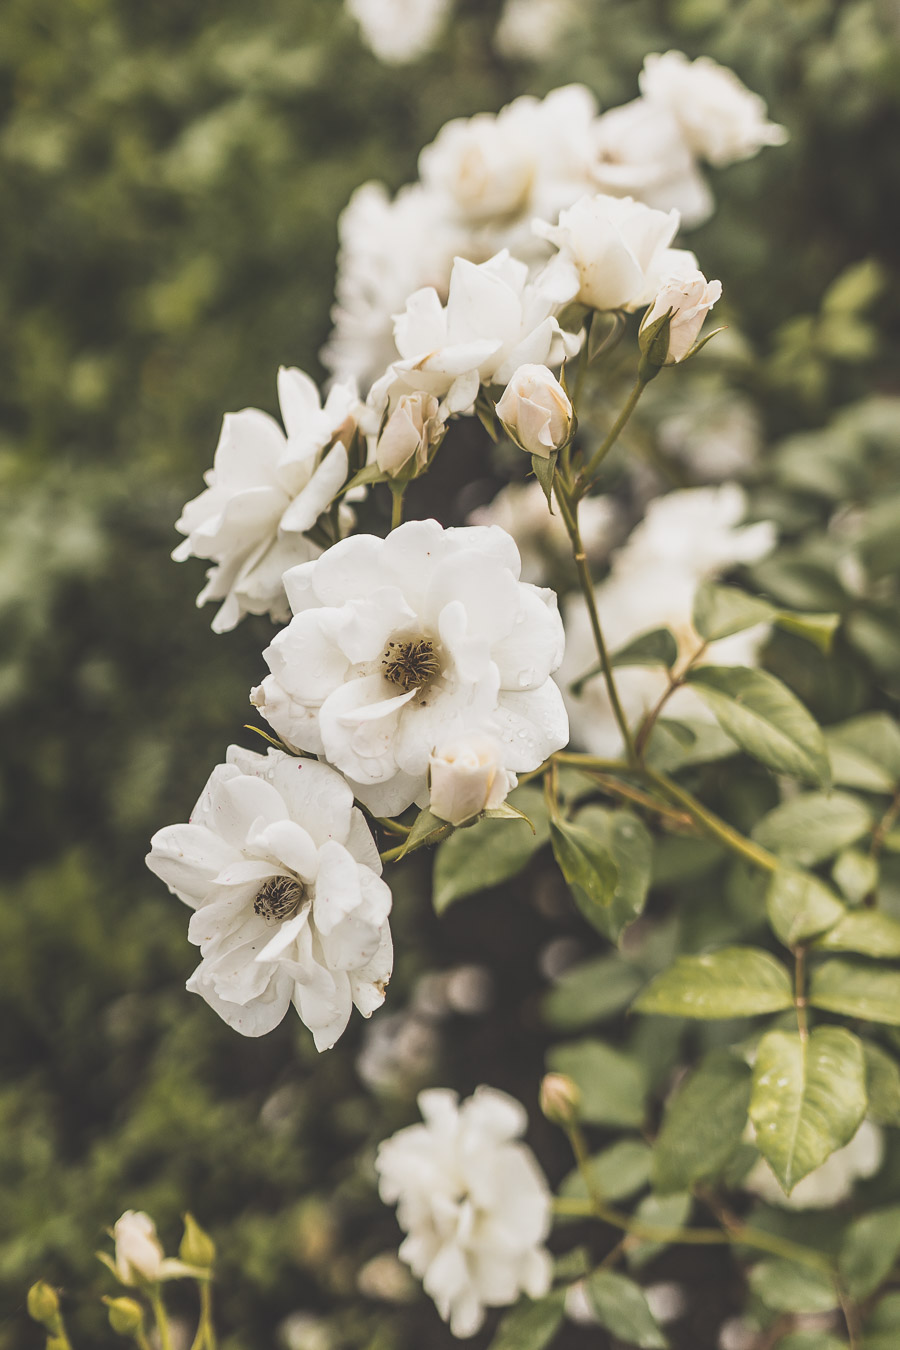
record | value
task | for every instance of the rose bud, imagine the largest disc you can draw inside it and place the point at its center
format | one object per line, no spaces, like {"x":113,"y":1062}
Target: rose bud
{"x":689,"y":298}
{"x":466,"y":778}
{"x":536,"y":411}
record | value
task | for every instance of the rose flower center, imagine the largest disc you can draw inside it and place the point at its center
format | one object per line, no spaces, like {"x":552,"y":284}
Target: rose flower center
{"x":279,"y":898}
{"x":411,"y":663}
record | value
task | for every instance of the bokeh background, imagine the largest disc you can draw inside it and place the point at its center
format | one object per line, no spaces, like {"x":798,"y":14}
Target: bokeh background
{"x":172,"y":174}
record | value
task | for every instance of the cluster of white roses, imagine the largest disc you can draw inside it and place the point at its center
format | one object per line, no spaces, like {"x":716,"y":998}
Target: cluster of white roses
{"x":417,"y":669}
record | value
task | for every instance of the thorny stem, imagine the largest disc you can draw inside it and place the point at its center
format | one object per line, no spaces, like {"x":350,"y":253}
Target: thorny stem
{"x":569,"y":509}
{"x":582,"y":483}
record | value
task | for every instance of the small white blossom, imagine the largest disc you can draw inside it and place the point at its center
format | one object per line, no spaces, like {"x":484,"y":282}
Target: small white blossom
{"x":722,"y":120}
{"x":284,"y":878}
{"x":613,"y":252}
{"x":536,"y":411}
{"x":473,"y":1201}
{"x":689,"y":297}
{"x":529,"y":30}
{"x":541,"y":538}
{"x":686,"y":538}
{"x":400,"y":31}
{"x":830,"y":1184}
{"x":398,"y":644}
{"x":264,"y":490}
{"x":467,"y":777}
{"x":640,"y":151}
{"x":493,"y":323}
{"x":139,"y":1256}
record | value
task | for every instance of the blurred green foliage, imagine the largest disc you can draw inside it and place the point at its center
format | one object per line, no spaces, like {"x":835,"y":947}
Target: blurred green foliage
{"x":172,"y":175}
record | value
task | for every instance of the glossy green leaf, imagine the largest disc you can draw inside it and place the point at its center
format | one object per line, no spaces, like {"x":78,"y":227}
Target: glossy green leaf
{"x":588,"y":867}
{"x":875,"y":737}
{"x":656,"y":648}
{"x":807,"y":829}
{"x":591,"y":992}
{"x":799,"y":906}
{"x":869,"y":1250}
{"x":621,"y":1307}
{"x":857,"y":989}
{"x":677,"y":744}
{"x":787,"y":1287}
{"x":703,"y":1124}
{"x":720,"y":611}
{"x":618,"y":1172}
{"x":629,"y":843}
{"x":612,"y":1084}
{"x":808,"y":1098}
{"x":882,"y":1084}
{"x":762,"y":715}
{"x":866,"y":931}
{"x":491,"y":851}
{"x":819,"y":629}
{"x":733,"y":982}
{"x":531,"y":1324}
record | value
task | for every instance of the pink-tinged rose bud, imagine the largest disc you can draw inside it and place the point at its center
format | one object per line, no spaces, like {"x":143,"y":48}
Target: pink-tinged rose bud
{"x":411,"y":431}
{"x":467,"y":778}
{"x":689,"y":298}
{"x":536,"y":411}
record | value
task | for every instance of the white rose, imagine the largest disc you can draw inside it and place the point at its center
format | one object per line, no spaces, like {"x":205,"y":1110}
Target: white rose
{"x":139,"y":1253}
{"x":494,"y":321}
{"x":264,"y":490}
{"x":640,"y":151}
{"x":399,"y":31}
{"x":722,"y":120}
{"x":398,"y":644}
{"x":613,"y":252}
{"x":284,"y":878}
{"x":690,"y":298}
{"x":467,"y":777}
{"x":473,"y":1201}
{"x":536,"y":411}
{"x":485,"y":164}
{"x":411,"y":431}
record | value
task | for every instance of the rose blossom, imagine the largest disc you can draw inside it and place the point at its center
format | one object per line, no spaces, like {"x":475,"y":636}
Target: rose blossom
{"x":467,"y":777}
{"x":264,"y":490}
{"x":412,"y":429}
{"x":398,"y":644}
{"x":613,"y":252}
{"x":690,"y":297}
{"x":473,"y":1202}
{"x":284,"y":878}
{"x":536,"y":411}
{"x":139,"y":1257}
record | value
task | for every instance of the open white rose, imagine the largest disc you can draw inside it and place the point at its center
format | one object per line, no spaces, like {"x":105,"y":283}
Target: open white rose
{"x":398,"y":644}
{"x":722,"y":120}
{"x":613,"y":252}
{"x":264,"y":490}
{"x":494,"y":321}
{"x":473,"y":1202}
{"x":686,"y":538}
{"x":284,"y":878}
{"x":536,"y":411}
{"x":485,"y":164}
{"x":467,"y":777}
{"x":640,"y":151}
{"x":689,"y":297}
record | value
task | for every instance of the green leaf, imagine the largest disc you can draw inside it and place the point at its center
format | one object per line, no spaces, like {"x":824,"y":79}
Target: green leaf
{"x":612,"y":1084}
{"x":660,"y":1211}
{"x":532,"y":1323}
{"x":620,"y":1306}
{"x":808,"y":1098}
{"x":811,"y":1340}
{"x":491,"y":851}
{"x":799,"y":905}
{"x":875,"y":739}
{"x":677,"y":744}
{"x":720,"y":611}
{"x":882,"y":1323}
{"x":591,"y":992}
{"x":866,"y":931}
{"x":703,"y":1124}
{"x":506,"y":811}
{"x":617,"y":1172}
{"x":809,"y":828}
{"x":857,"y":875}
{"x":427,"y":828}
{"x":544,"y":468}
{"x":370,"y":473}
{"x":766,"y":720}
{"x":628,"y":842}
{"x":882,"y":1084}
{"x":656,"y":648}
{"x":857,"y":989}
{"x":733,"y":982}
{"x":588,"y":868}
{"x":869,"y":1250}
{"x":786,"y":1287}
{"x":816,"y":628}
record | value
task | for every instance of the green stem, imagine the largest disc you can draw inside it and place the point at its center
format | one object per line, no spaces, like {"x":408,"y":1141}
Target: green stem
{"x":396,"y":506}
{"x":800,"y":992}
{"x":569,"y":509}
{"x":162,"y":1321}
{"x":583,"y":482}
{"x":718,"y":829}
